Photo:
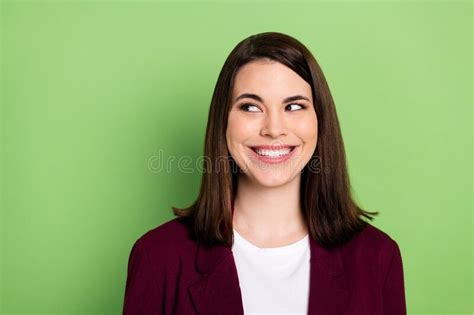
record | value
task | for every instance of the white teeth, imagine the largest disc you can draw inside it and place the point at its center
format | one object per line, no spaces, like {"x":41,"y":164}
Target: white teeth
{"x":273,"y":153}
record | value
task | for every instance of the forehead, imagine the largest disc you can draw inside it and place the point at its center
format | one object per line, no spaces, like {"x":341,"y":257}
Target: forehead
{"x":269,"y":78}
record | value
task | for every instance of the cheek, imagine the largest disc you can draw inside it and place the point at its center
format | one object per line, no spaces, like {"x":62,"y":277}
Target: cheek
{"x":239,"y":130}
{"x":308,"y":129}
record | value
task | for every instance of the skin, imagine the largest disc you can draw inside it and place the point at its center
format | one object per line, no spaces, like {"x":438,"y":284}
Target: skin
{"x":267,"y":209}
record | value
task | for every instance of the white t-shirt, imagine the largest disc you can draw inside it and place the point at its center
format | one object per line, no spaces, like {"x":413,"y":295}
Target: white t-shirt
{"x":273,"y":280}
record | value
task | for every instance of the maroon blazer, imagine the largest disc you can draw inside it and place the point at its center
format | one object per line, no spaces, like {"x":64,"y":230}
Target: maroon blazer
{"x":169,"y":273}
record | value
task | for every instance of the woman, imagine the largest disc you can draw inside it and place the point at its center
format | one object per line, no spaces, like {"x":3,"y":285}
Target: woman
{"x":274,"y":228}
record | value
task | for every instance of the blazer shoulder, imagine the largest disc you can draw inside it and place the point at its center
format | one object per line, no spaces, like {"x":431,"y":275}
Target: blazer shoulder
{"x":373,"y":242}
{"x":380,"y":248}
{"x":374,"y":237}
{"x":169,"y":235}
{"x":155,"y":258}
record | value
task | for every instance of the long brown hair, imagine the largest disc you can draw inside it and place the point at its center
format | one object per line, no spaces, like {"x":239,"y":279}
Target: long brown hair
{"x":332,"y":215}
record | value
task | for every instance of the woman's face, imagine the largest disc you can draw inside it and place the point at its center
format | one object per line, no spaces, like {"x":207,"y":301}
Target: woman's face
{"x":272,"y":125}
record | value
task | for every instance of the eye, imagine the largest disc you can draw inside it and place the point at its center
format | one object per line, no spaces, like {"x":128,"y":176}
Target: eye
{"x":245,"y":106}
{"x":297,"y":105}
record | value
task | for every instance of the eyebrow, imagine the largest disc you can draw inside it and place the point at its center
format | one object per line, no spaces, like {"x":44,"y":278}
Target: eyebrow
{"x":258,"y":98}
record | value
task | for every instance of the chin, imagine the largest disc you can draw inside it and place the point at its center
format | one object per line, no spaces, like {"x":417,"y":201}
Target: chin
{"x":272,"y":179}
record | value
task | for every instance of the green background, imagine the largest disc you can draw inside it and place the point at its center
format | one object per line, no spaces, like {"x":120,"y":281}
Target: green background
{"x":92,"y":90}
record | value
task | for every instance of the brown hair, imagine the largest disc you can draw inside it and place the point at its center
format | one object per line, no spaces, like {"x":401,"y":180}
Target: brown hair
{"x":332,"y":215}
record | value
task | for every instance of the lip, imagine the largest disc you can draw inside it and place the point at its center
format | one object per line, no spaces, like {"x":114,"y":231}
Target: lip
{"x":273,"y":160}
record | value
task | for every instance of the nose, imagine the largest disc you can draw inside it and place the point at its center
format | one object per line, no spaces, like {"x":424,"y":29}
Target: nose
{"x":273,"y":125}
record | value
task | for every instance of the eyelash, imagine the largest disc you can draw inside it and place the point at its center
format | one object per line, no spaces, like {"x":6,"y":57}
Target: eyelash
{"x":242,"y":106}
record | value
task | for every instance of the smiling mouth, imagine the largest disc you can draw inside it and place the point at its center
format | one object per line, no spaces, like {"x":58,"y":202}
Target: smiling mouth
{"x":273,"y":153}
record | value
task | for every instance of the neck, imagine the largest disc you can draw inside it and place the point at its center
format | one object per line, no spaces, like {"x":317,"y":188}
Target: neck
{"x":268,"y":211}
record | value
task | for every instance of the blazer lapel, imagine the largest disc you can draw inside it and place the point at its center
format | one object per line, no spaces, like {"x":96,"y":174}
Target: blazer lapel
{"x":218,"y":288}
{"x":329,"y":291}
